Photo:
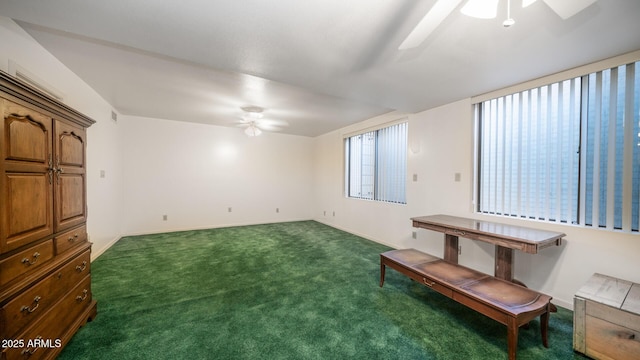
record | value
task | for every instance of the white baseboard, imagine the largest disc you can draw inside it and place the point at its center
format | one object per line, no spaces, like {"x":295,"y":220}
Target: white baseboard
{"x":96,"y":253}
{"x":355,"y":233}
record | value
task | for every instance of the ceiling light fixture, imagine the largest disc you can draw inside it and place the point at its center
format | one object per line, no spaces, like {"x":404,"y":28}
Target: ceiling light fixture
{"x":482,"y":9}
{"x":509,"y":20}
{"x":251,"y":115}
{"x":252,"y":130}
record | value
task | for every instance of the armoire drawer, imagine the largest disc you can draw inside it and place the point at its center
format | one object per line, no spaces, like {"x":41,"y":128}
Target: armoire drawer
{"x":70,"y":238}
{"x":39,"y":298}
{"x":24,"y":261}
{"x":53,"y":325}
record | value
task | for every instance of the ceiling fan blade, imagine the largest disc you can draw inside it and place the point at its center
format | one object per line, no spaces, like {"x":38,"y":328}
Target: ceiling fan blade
{"x":567,"y":8}
{"x":481,"y":9}
{"x":272,"y":122}
{"x":438,"y":12}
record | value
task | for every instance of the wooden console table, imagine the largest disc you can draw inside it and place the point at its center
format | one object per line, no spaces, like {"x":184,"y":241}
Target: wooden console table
{"x":505,"y":237}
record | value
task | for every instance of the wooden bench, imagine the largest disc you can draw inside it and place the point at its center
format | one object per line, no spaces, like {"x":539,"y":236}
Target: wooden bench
{"x":506,"y":302}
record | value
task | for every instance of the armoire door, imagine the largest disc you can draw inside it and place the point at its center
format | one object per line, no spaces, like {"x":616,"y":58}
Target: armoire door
{"x":26,"y":200}
{"x":70,"y":176}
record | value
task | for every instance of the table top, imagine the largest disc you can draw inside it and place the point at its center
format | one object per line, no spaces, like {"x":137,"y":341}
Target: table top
{"x":516,"y":237}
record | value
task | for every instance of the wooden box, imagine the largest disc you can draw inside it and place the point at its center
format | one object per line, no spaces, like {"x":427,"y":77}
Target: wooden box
{"x":606,"y":319}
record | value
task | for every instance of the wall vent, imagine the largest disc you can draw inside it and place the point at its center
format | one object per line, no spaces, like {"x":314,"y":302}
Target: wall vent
{"x":26,"y":76}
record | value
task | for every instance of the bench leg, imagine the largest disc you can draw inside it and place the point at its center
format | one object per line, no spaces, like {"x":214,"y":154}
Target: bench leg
{"x":382,"y":270}
{"x":512,"y":338}
{"x":544,"y":326}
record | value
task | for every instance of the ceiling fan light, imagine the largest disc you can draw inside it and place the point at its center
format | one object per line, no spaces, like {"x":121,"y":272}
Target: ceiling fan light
{"x":481,"y":9}
{"x":252,"y":130}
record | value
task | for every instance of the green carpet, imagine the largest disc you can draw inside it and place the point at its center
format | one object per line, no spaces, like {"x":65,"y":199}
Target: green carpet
{"x":299,"y":290}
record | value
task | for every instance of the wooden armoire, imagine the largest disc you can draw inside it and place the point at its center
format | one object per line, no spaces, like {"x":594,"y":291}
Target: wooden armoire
{"x":45,"y":282}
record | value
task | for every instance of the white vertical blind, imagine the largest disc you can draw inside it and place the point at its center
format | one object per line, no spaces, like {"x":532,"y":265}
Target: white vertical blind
{"x":361,"y":151}
{"x":376,"y":165}
{"x":529,"y":146}
{"x":612,"y":155}
{"x":564,"y":152}
{"x":392,"y":164}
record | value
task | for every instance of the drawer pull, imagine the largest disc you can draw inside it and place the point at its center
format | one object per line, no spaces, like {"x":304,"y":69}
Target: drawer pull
{"x":459,"y":232}
{"x":85,"y":293}
{"x":626,"y":335}
{"x":427,"y":282}
{"x":80,"y":268}
{"x":71,"y":239}
{"x":36,"y":301}
{"x":30,"y":352}
{"x":28,"y":262}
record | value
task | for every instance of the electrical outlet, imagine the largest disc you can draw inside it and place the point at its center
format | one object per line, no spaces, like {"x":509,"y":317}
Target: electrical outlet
{"x":456,"y":177}
{"x":325,"y":213}
{"x":229,"y":209}
{"x":102,"y":173}
{"x":414,"y":235}
{"x":164,"y":217}
{"x":415,"y":177}
{"x":277,"y":210}
{"x":334,"y":213}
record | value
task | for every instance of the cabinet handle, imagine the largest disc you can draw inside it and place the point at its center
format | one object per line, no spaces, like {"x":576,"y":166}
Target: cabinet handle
{"x":50,"y":170}
{"x":71,"y":239}
{"x":58,"y":169}
{"x":85,"y":293}
{"x":428,"y":283}
{"x":30,"y":352}
{"x":58,"y":172}
{"x":80,"y":268}
{"x":36,"y":301}
{"x":28,"y":262}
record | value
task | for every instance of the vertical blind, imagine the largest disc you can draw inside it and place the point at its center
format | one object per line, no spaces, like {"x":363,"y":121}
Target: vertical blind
{"x":611,"y":130}
{"x":361,"y":156}
{"x":529,"y":146}
{"x":376,"y":164}
{"x":565,"y":152}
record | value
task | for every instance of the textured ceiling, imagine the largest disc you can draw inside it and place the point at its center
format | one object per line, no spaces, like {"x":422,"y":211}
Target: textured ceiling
{"x":317,"y":65}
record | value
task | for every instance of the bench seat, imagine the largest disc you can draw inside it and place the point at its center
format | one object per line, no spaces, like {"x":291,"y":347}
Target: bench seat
{"x":508,"y":303}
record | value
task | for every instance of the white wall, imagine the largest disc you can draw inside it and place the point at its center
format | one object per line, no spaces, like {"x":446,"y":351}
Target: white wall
{"x":103,"y":194}
{"x":194,"y":173}
{"x":443,"y":140}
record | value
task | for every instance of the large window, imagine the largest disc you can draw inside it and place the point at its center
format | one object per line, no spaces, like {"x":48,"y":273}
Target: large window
{"x":376,"y":164}
{"x":566,"y":152}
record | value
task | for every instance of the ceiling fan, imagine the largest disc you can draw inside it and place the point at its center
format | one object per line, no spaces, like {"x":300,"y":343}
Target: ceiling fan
{"x":254,"y":122}
{"x":484,"y":9}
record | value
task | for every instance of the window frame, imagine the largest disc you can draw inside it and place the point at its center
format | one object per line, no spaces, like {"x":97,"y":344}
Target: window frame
{"x":634,"y":118}
{"x":347,"y":168}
